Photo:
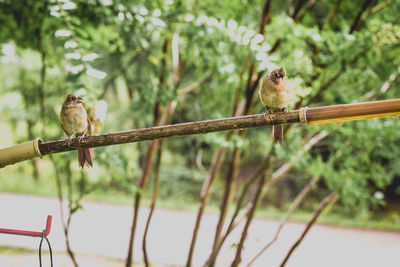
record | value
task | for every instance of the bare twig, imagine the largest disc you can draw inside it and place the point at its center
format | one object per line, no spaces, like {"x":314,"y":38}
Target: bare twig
{"x":215,"y":166}
{"x":253,"y":204}
{"x":296,"y":12}
{"x":42,"y":82}
{"x":285,"y":218}
{"x":226,"y":200}
{"x":385,"y":86}
{"x":286,"y":166}
{"x":150,"y":152}
{"x":156,"y":187}
{"x":65,"y":224}
{"x":266,"y":185}
{"x":234,"y":221}
{"x":328,"y":200}
{"x":204,"y":197}
{"x":277,"y":175}
{"x":195,"y":85}
{"x":380,"y":6}
{"x":142,"y":182}
{"x":166,"y":117}
{"x":295,"y":16}
{"x":358,"y":18}
{"x":334,"y":11}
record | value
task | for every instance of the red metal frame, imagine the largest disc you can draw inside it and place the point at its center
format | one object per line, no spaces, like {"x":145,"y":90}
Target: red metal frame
{"x":45,"y":232}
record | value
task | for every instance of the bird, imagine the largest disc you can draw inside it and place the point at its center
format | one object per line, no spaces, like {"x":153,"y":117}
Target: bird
{"x":74,"y":120}
{"x":275,"y":94}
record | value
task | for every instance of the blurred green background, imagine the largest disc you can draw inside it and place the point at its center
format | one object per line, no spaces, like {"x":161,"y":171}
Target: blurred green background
{"x":130,"y":59}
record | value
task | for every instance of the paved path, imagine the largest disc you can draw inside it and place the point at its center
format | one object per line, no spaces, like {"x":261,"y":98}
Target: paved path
{"x":103,"y":230}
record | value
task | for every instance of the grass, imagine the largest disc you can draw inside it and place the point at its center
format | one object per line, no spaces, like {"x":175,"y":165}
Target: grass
{"x":388,"y":223}
{"x":16,"y":250}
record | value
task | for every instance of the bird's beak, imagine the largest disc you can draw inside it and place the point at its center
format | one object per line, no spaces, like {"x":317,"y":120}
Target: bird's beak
{"x":278,"y":80}
{"x":80,"y":100}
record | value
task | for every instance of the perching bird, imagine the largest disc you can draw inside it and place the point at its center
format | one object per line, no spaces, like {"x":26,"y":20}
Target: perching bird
{"x":275,"y":94}
{"x":74,"y":120}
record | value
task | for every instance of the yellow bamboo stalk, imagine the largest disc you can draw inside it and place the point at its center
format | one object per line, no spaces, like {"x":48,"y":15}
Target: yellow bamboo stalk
{"x":20,"y":152}
{"x":359,"y":111}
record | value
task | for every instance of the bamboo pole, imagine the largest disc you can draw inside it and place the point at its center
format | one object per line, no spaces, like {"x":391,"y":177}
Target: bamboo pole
{"x":326,"y":114}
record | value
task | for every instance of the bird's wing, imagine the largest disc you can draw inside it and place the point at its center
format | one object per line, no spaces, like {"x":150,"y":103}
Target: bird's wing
{"x":64,"y":129}
{"x":89,"y":126}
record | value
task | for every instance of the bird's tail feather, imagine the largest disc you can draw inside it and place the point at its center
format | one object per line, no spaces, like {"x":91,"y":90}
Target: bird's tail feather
{"x":277,"y":133}
{"x":85,"y":156}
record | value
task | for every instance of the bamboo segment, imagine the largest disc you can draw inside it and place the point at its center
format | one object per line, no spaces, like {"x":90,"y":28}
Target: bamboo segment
{"x":359,"y":111}
{"x":20,"y":152}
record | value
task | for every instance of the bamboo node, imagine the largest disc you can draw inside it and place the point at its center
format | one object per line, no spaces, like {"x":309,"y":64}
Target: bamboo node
{"x":303,"y":114}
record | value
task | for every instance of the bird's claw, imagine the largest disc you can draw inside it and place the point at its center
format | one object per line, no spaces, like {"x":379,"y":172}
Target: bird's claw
{"x":80,"y":138}
{"x":267,"y":115}
{"x":69,"y":140}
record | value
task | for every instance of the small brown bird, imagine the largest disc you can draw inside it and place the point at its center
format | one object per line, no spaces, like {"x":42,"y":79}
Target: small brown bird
{"x":74,"y":120}
{"x":275,"y":94}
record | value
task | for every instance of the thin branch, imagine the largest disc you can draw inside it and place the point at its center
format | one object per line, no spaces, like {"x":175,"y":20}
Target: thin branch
{"x":195,"y":85}
{"x":385,"y":86}
{"x":42,"y":81}
{"x":165,"y":118}
{"x":142,"y":181}
{"x":234,"y":221}
{"x":314,"y":115}
{"x":296,"y":12}
{"x":389,"y":81}
{"x":265,"y":186}
{"x":175,"y":59}
{"x":380,"y":6}
{"x":65,"y":224}
{"x":334,"y":11}
{"x":358,"y":18}
{"x":279,"y":173}
{"x":285,"y":218}
{"x":238,"y":109}
{"x":204,"y":197}
{"x":310,"y":4}
{"x":295,"y":17}
{"x":235,"y":106}
{"x":328,"y":200}
{"x":156,"y":187}
{"x":286,"y":166}
{"x":265,"y":17}
{"x":226,"y":200}
{"x":216,"y":164}
{"x":152,"y":147}
{"x":254,"y":203}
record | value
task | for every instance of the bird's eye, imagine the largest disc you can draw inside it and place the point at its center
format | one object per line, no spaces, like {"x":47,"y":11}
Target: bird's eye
{"x":73,"y":98}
